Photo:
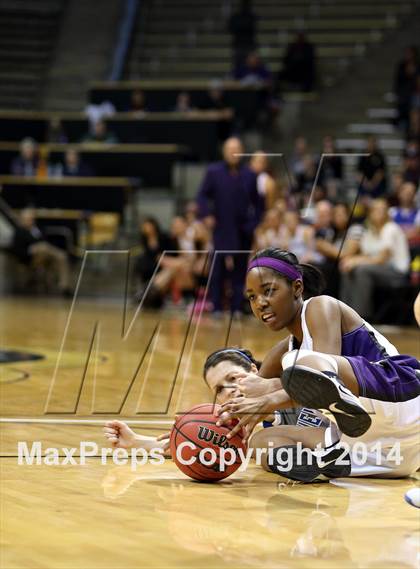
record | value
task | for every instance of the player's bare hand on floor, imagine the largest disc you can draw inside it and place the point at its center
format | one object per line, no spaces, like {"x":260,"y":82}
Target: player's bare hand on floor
{"x":120,"y":435}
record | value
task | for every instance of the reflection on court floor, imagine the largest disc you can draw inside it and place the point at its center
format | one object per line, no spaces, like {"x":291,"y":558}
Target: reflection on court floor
{"x":97,"y":516}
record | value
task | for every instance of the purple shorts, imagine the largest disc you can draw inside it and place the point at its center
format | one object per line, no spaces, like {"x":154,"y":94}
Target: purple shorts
{"x":394,"y":378}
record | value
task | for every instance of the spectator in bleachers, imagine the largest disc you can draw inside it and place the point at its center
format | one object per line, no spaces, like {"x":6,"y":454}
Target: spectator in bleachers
{"x":99,"y":133}
{"x":372,"y":171}
{"x":299,"y":64}
{"x":191,"y":214}
{"x":332,"y":245}
{"x":298,"y":238}
{"x":407,"y":215}
{"x":253,"y":71}
{"x":344,"y":230}
{"x":188,"y":235}
{"x":411,"y":165}
{"x":243,"y":28}
{"x":182,"y":266}
{"x":216,"y":100}
{"x":137,"y":102}
{"x":199,"y":235}
{"x":302,"y":167}
{"x":405,"y":76}
{"x":231,"y":207}
{"x":196,"y":229}
{"x":74,"y":166}
{"x":31,"y":248}
{"x":177,"y":271}
{"x":55,"y":132}
{"x":331,"y":169}
{"x":414,"y":128}
{"x":397,"y":180}
{"x":324,"y":217}
{"x":26,"y":164}
{"x":181,"y":234}
{"x":380,"y":257}
{"x":183,"y":103}
{"x":268,"y":232}
{"x":281,"y":206}
{"x":323,"y":221}
{"x":153,"y":241}
{"x":266,"y":184}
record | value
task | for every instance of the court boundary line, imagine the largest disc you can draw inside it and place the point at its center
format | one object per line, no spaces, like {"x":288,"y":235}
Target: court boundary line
{"x":38,"y":421}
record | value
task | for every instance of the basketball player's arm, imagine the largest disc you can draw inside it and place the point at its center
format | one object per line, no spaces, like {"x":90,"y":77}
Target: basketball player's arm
{"x":323,"y":318}
{"x":120,"y":435}
{"x":272,"y":368}
{"x":267,"y":380}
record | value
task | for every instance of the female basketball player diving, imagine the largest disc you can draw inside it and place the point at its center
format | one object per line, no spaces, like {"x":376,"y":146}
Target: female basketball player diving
{"x":332,"y":360}
{"x":340,"y":356}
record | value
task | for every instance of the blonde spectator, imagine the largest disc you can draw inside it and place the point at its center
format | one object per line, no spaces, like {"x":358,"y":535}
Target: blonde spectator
{"x":380,"y":257}
{"x":280,"y":205}
{"x":266,"y":184}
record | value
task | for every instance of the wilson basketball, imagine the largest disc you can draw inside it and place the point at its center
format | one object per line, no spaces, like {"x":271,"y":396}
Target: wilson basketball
{"x":201,"y":449}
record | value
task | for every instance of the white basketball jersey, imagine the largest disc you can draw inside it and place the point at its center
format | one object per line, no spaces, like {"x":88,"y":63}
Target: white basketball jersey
{"x":395,"y":428}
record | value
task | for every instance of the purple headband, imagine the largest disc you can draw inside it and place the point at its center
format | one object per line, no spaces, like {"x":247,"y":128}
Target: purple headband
{"x":281,"y":267}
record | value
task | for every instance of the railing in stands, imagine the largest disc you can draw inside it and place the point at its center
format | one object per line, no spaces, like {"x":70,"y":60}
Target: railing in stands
{"x":124,"y":39}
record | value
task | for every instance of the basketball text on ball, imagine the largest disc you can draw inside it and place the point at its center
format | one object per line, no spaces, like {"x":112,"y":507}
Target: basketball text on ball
{"x":208,"y":435}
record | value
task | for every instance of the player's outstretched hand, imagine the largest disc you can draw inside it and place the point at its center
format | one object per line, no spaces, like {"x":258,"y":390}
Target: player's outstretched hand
{"x":120,"y":435}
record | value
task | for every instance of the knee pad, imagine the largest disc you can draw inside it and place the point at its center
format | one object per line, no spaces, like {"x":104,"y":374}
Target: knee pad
{"x":294,"y":357}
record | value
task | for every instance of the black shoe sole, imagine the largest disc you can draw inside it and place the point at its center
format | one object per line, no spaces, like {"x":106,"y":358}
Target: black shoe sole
{"x":310,"y":473}
{"x":316,"y":391}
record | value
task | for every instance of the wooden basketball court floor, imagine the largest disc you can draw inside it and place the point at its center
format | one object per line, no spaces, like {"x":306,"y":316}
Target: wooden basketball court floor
{"x":97,"y":516}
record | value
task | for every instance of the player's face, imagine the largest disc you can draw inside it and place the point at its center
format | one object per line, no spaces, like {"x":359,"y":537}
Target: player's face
{"x":221,"y":381}
{"x":273,"y":300}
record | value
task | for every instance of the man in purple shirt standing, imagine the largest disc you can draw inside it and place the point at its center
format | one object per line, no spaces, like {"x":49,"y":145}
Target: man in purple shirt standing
{"x":229,"y":202}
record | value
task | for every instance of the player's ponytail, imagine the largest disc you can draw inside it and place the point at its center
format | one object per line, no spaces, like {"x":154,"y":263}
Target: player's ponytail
{"x":313,"y":280}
